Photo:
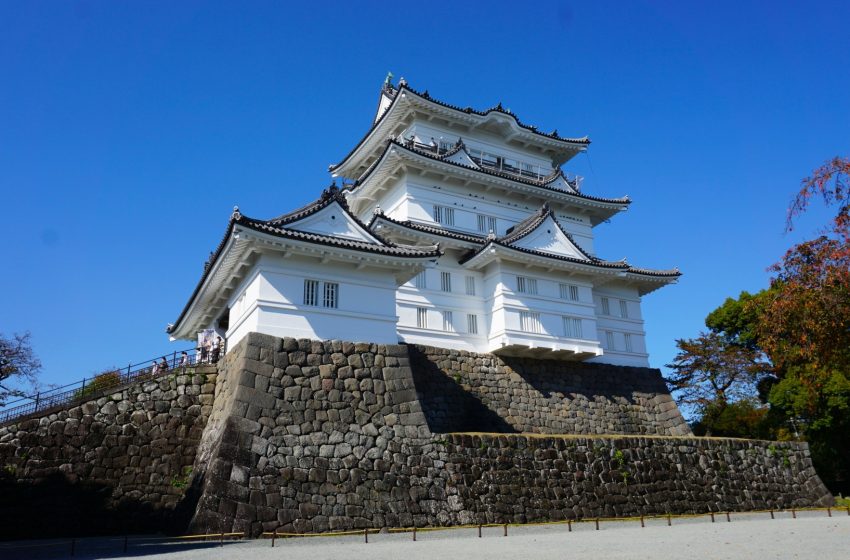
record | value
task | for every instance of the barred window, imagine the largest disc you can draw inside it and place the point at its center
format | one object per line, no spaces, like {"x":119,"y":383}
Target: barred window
{"x":572,"y":327}
{"x":446,"y":281}
{"x":472,"y":324}
{"x":526,"y":285}
{"x":624,"y":309}
{"x":628,"y":338}
{"x":606,"y":306}
{"x":331,"y":295}
{"x":444,"y":215}
{"x":420,"y":281}
{"x":422,"y":317}
{"x":529,"y":321}
{"x":568,"y":291}
{"x":311,"y":292}
{"x":486,"y":223}
{"x":609,"y":340}
{"x":470,"y":285}
{"x":448,"y":320}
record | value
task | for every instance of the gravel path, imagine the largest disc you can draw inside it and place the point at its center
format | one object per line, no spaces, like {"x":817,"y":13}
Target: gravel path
{"x":811,"y":535}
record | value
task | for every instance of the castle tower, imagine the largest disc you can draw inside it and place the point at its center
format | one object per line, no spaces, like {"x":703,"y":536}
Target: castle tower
{"x":455,"y":228}
{"x":519,"y":275}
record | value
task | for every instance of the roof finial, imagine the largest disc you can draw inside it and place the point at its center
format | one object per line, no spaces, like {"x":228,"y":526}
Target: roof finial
{"x":378,"y":211}
{"x":388,"y":81}
{"x":491,"y":236}
{"x":555,"y":133}
{"x":402,"y":82}
{"x":460,"y":142}
{"x":499,"y":106}
{"x":236,"y":215}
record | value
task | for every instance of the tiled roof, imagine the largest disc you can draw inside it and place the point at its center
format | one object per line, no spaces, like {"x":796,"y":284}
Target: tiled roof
{"x":394,"y":94}
{"x":497,"y":109}
{"x":429,"y":229}
{"x":385,"y":248}
{"x":532,"y":222}
{"x":276,"y":227}
{"x":543,"y":184}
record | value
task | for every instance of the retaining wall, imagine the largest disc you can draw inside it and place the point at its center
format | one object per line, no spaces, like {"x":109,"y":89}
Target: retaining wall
{"x":465,"y":391}
{"x":329,"y":436}
{"x":123,"y":456}
{"x":302,"y":435}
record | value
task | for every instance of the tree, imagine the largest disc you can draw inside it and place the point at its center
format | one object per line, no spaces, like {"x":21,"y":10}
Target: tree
{"x":19,"y":366}
{"x":829,"y":182}
{"x":708,"y":370}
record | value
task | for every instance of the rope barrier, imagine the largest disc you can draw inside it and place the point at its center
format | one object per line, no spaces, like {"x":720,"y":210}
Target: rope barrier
{"x":478,"y":526}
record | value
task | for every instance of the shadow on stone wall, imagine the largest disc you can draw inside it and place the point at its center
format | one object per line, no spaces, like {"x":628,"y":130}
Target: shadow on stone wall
{"x":55,"y":507}
{"x":447,"y":406}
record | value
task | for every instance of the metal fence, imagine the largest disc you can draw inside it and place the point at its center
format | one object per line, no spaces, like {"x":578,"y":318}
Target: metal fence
{"x":88,"y":386}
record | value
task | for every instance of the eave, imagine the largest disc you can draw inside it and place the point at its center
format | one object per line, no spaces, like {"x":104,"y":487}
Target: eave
{"x":369,"y":187}
{"x":407,"y":103}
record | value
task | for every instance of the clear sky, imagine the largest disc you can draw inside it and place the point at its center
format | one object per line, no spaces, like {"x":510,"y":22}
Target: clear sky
{"x":129,"y":130}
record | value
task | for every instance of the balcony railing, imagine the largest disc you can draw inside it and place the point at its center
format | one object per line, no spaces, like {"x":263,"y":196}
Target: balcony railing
{"x":88,"y":387}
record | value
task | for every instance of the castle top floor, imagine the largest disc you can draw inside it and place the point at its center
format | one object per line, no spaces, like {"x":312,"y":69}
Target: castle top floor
{"x":495,"y":137}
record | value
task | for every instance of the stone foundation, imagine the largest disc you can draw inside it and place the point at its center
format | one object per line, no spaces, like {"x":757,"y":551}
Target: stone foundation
{"x":464,"y":391}
{"x":129,"y":449}
{"x":314,"y":436}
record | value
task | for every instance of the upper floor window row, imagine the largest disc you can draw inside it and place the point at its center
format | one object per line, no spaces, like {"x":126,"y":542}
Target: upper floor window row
{"x":506,"y":164}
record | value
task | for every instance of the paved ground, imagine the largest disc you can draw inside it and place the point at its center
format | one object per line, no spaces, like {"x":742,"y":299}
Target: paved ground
{"x":752,"y":536}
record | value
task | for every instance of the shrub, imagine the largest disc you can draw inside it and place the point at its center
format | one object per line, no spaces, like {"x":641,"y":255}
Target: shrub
{"x":100,"y":382}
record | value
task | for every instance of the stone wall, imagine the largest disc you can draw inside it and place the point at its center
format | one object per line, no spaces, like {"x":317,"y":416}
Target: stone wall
{"x":330,"y":435}
{"x":127,"y":450}
{"x":310,"y":436}
{"x":465,"y":391}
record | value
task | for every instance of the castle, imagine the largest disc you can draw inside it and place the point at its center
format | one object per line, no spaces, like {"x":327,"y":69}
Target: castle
{"x":519,"y":393}
{"x":454,"y":228}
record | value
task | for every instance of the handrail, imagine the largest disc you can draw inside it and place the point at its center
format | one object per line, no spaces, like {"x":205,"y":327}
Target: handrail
{"x":79,"y":390}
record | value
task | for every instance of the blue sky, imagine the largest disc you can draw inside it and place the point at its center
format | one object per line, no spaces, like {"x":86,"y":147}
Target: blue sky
{"x":129,"y":130}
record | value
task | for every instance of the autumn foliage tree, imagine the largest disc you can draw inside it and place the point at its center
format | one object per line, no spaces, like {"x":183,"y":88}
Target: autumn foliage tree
{"x":799,"y":328}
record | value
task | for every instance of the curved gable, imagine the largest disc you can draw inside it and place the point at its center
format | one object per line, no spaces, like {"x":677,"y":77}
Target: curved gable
{"x":548,"y":237}
{"x":333,"y":221}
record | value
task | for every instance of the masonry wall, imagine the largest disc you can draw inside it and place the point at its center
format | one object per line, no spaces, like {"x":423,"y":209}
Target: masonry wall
{"x":121,"y":459}
{"x":332,"y":435}
{"x":465,"y":391}
{"x":304,"y":435}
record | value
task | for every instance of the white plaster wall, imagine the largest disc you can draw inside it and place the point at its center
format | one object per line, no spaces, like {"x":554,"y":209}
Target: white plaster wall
{"x":468,"y":203}
{"x":274,"y":302}
{"x":620,"y":326}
